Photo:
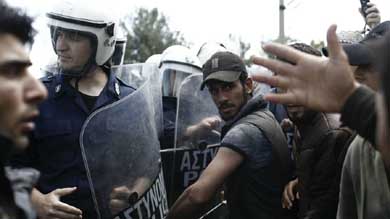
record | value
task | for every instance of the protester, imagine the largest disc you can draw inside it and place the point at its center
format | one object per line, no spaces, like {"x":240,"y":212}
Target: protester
{"x":320,"y":147}
{"x":177,"y":63}
{"x":364,"y":183}
{"x":322,"y":84}
{"x":84,"y":41}
{"x":328,"y":85}
{"x":20,"y":94}
{"x":253,"y":149}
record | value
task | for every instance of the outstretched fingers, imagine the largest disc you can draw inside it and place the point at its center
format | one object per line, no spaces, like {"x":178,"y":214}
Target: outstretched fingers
{"x":334,"y":47}
{"x":282,"y":98}
{"x":275,"y":80}
{"x":276,"y":66}
{"x":284,"y":52}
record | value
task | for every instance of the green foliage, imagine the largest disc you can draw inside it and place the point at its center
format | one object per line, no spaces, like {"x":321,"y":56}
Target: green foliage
{"x":149,"y":34}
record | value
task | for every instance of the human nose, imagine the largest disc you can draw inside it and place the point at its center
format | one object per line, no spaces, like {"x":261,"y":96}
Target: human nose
{"x":61,"y":43}
{"x":35,"y":91}
{"x":220,"y":96}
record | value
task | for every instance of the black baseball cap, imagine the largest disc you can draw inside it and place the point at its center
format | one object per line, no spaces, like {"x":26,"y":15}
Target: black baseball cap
{"x":223,"y":66}
{"x":358,"y":53}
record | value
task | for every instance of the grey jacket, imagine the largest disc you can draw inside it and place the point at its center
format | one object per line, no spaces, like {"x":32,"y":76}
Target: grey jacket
{"x":364,"y":188}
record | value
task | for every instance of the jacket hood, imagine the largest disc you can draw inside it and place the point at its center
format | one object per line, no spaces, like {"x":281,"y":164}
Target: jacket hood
{"x":254,"y":104}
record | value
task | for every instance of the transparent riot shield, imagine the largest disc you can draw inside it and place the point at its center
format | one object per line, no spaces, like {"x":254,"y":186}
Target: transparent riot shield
{"x":197,"y":120}
{"x":120,"y":148}
{"x":135,"y":75}
{"x":197,"y":138}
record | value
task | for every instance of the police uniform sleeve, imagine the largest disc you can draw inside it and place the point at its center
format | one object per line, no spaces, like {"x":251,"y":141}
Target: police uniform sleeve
{"x":250,"y":142}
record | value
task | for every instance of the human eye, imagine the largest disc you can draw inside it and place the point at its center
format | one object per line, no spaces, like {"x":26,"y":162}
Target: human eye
{"x":212,"y":90}
{"x":227,"y":87}
{"x":57,"y":34}
{"x":74,"y":36}
{"x":13,"y":70}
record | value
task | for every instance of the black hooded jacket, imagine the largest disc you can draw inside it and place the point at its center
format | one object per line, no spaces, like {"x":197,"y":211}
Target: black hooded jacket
{"x":320,"y":152}
{"x":254,"y":192}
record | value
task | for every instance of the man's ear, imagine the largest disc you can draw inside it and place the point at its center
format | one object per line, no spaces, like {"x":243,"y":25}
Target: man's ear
{"x":248,"y":85}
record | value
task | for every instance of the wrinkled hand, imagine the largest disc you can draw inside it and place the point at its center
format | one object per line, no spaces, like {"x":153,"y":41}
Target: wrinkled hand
{"x":318,"y":83}
{"x":289,"y":194}
{"x":373,"y":17}
{"x":122,"y":197}
{"x":49,"y":206}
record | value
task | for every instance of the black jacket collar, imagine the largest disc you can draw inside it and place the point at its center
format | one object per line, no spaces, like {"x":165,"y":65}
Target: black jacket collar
{"x":254,"y":104}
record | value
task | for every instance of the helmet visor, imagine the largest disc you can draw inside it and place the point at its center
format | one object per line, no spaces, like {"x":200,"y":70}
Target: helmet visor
{"x":172,"y":80}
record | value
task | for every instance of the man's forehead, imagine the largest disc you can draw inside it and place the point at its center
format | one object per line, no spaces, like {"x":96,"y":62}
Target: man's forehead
{"x":216,"y":83}
{"x":12,"y":50}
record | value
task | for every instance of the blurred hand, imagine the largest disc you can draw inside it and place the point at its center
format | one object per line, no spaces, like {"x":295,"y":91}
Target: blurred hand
{"x":373,"y":17}
{"x":318,"y":83}
{"x":122,"y":197}
{"x":49,"y":206}
{"x":289,"y":194}
{"x":210,"y":123}
{"x":205,"y":126}
{"x":286,"y":124}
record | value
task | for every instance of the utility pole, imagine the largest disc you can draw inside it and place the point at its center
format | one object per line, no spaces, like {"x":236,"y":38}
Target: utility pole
{"x":282,"y":7}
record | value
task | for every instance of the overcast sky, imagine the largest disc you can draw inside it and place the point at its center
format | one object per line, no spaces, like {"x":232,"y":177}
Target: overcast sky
{"x":214,"y":20}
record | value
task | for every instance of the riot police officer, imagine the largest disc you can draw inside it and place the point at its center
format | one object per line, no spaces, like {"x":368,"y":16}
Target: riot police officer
{"x":84,"y":41}
{"x":208,"y":49}
{"x":177,"y":63}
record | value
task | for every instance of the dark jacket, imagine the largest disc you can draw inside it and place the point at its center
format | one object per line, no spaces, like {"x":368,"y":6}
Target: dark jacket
{"x":256,"y":192}
{"x":15,"y":187}
{"x":55,"y":148}
{"x":359,"y":113}
{"x":320,"y":152}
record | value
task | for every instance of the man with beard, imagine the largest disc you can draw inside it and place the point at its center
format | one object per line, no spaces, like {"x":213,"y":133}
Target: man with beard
{"x":320,"y":148}
{"x":253,"y":154}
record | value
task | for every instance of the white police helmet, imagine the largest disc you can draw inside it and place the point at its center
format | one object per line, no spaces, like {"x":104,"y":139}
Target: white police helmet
{"x":119,"y":52}
{"x":208,"y":49}
{"x":180,"y":58}
{"x":155,"y":59}
{"x":177,"y":63}
{"x":78,"y":16}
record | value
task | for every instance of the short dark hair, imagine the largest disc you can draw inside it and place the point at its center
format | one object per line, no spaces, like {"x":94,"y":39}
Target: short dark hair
{"x":306,"y":48}
{"x":303,"y":48}
{"x":243,"y":77}
{"x":14,"y":21}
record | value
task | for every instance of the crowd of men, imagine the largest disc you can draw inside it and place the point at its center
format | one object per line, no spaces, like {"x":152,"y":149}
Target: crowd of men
{"x":335,"y":105}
